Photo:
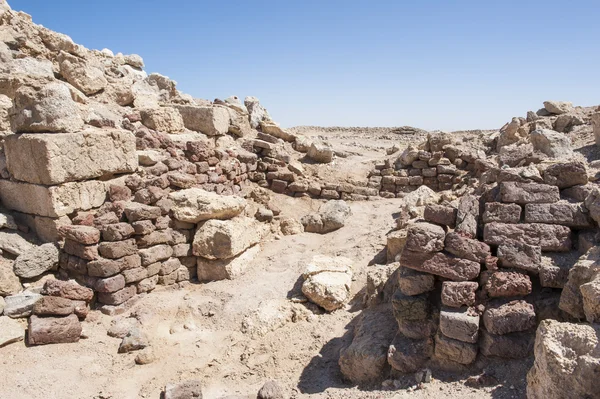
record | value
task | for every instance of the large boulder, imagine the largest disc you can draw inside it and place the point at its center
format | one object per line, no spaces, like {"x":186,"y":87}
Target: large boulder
{"x":558,"y":107}
{"x":85,"y":75}
{"x":327,"y":281}
{"x":49,"y":109}
{"x":67,"y":157}
{"x":331,"y":216}
{"x":33,"y":263}
{"x":224,"y":239}
{"x":567,"y":360}
{"x":551,"y":143}
{"x":195,"y":205}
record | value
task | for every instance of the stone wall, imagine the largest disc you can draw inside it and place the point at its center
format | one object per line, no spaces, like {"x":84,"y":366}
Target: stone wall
{"x":478,"y":275}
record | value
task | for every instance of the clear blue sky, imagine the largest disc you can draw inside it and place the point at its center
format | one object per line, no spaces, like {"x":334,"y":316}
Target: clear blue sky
{"x":432,"y":64}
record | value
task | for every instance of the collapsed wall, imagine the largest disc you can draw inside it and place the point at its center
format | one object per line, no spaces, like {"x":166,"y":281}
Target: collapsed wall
{"x":471,"y":277}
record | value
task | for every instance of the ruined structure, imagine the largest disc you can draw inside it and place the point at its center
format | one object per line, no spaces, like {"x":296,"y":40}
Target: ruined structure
{"x":113,"y":182}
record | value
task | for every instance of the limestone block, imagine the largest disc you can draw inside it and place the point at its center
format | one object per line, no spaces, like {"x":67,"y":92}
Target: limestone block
{"x":66,"y":157}
{"x":54,"y":201}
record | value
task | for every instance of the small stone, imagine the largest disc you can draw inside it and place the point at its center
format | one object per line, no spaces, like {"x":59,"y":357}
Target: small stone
{"x":184,"y":390}
{"x":133,"y":341}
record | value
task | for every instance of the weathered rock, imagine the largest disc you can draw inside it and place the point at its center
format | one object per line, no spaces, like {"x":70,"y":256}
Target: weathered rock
{"x":467,"y":215}
{"x":67,"y":289}
{"x":586,"y":270}
{"x":454,"y":350}
{"x":53,"y":330}
{"x":520,"y":255}
{"x":271,"y":390}
{"x":274,"y":130}
{"x":509,"y":317}
{"x":466,"y":248}
{"x":503,"y":213}
{"x":14,"y":243}
{"x":155,"y":254}
{"x":592,"y":203}
{"x":327,"y":281}
{"x":564,"y":213}
{"x":226,"y":269}
{"x":332,"y":216}
{"x":396,"y":240}
{"x":53,"y":201}
{"x":381,"y":283}
{"x":20,"y":305}
{"x":117,"y":231}
{"x":117,"y":249}
{"x":9,"y":282}
{"x":290,"y":226}
{"x":163,"y":119}
{"x":551,"y":143}
{"x":548,"y":237}
{"x":441,"y":214}
{"x":320,"y":152}
{"x":566,"y":174}
{"x":135,"y":340}
{"x":85,"y":75}
{"x":462,"y":325}
{"x":441,"y":264}
{"x":526,"y":193}
{"x":590,"y":293}
{"x":508,"y":284}
{"x":411,"y":307}
{"x":457,"y":294}
{"x":117,"y":297}
{"x":50,"y":109}
{"x":223,"y":239}
{"x":511,"y":346}
{"x":53,"y":306}
{"x":11,"y":331}
{"x":195,"y":205}
{"x":558,"y":107}
{"x":425,"y":237}
{"x":566,"y":361}
{"x":136,"y":212}
{"x":212,"y":121}
{"x":409,"y":355}
{"x":39,"y":260}
{"x":412,"y":282}
{"x":184,"y":390}
{"x":86,"y":235}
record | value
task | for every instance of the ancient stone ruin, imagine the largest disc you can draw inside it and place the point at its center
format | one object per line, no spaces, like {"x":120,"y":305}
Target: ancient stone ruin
{"x":115,"y":186}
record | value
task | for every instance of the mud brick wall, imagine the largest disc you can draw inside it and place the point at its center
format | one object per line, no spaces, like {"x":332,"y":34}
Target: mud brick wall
{"x":103,"y":195}
{"x":276,"y":172}
{"x":478,"y":277}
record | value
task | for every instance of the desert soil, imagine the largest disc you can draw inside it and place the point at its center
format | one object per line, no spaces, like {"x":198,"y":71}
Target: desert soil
{"x":235,"y":335}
